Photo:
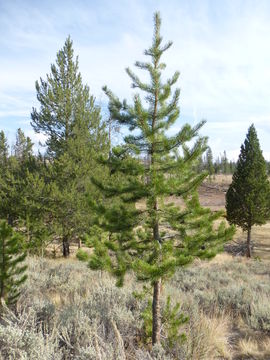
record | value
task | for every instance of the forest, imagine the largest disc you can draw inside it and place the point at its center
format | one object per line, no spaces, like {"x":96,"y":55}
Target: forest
{"x":107,"y":250}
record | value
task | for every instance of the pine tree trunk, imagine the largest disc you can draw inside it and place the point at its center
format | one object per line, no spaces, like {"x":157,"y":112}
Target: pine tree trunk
{"x":2,"y":294}
{"x":156,"y":326}
{"x":249,"y":243}
{"x":65,"y":246}
{"x":156,"y":317}
{"x":10,"y":220}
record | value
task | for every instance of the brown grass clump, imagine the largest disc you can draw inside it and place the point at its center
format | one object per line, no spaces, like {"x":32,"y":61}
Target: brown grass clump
{"x":254,"y":349}
{"x":208,"y":337}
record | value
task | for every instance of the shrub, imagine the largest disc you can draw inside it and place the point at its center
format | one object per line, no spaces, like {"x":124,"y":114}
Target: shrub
{"x":67,"y":312}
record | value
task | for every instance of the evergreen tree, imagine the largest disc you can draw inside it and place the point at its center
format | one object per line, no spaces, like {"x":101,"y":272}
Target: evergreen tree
{"x":232,"y":167}
{"x":23,"y":148}
{"x":200,"y":164}
{"x":157,"y":238}
{"x":224,"y":163}
{"x":12,"y":273}
{"x":209,"y":162}
{"x":268,"y":167}
{"x":22,"y":191}
{"x":3,"y":151}
{"x":11,"y":178}
{"x":248,"y":197}
{"x":71,"y":173}
{"x":71,"y":120}
{"x":4,"y":157}
{"x":217,"y":165}
{"x":64,"y":101}
{"x":35,"y":209}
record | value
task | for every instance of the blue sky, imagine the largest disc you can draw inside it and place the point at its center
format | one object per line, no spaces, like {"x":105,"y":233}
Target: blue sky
{"x":221,"y":48}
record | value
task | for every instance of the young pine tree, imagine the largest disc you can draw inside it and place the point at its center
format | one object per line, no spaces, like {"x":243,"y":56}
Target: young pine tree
{"x":12,"y":272}
{"x":248,"y":197}
{"x":153,"y":239}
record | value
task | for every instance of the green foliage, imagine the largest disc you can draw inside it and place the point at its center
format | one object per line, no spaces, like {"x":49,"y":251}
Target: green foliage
{"x":225,"y":166}
{"x":248,"y":197}
{"x":67,"y":111}
{"x":11,"y":258}
{"x":171,"y":319}
{"x":23,"y":148}
{"x":3,"y":149}
{"x":155,"y":240}
{"x":147,"y":321}
{"x":209,"y":161}
{"x":14,"y":171}
{"x":24,"y":193}
{"x":82,"y":255}
{"x":60,"y":97}
{"x":71,"y":120}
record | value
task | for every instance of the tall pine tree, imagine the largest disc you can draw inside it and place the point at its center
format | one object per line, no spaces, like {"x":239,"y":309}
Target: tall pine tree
{"x":63,"y":100}
{"x":248,"y":197}
{"x":71,"y":120}
{"x":153,"y":239}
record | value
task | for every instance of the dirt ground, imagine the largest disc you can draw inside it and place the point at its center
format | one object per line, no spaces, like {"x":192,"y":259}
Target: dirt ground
{"x":212,"y":193}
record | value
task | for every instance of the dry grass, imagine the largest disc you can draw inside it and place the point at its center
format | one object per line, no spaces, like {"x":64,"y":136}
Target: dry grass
{"x":254,"y":349}
{"x":249,"y":347}
{"x":208,"y":338}
{"x":66,"y":311}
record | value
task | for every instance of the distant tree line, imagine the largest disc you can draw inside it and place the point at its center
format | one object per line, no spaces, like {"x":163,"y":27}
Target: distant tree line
{"x":220,"y":165}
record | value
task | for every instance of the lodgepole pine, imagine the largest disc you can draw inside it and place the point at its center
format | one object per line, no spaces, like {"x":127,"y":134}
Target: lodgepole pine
{"x":71,"y":121}
{"x":149,"y":235}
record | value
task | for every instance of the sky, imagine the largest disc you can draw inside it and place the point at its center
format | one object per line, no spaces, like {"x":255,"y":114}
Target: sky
{"x":221,"y":48}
